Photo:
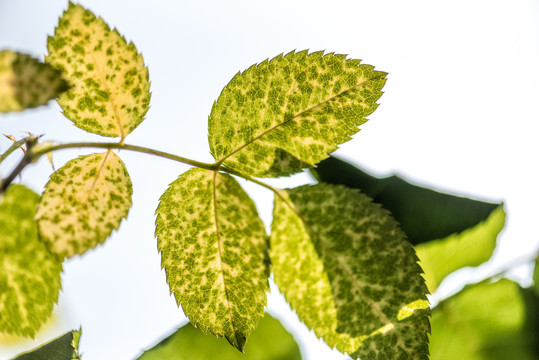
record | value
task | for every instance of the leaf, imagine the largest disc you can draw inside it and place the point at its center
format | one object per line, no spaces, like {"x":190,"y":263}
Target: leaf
{"x":346,"y":269}
{"x":29,"y":274}
{"x":424,"y":214}
{"x":214,"y":250}
{"x":65,"y":347}
{"x":471,"y":247}
{"x":465,"y":230}
{"x":491,"y":321}
{"x":26,"y":83}
{"x":83,"y":202}
{"x":111,"y":89}
{"x":289,"y":113}
{"x":270,"y":341}
{"x":536,"y":275}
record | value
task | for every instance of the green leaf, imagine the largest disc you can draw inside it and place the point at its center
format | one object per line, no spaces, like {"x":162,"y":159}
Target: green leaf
{"x":289,"y":113}
{"x":471,"y":247}
{"x":346,"y":269}
{"x":83,"y":202}
{"x":270,"y":341}
{"x":487,"y":321}
{"x":214,"y":250}
{"x":111,"y":88}
{"x":424,"y":214}
{"x":465,"y":230}
{"x":65,"y":347}
{"x":536,"y":275}
{"x":26,"y":83}
{"x":29,"y":274}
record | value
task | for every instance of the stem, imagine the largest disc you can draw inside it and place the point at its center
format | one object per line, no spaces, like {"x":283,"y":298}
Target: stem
{"x":33,"y":154}
{"x":38,"y":153}
{"x":12,"y":148}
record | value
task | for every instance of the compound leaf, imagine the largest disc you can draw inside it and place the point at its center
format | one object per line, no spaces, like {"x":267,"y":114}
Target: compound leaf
{"x":111,"y":89}
{"x":83,"y":202}
{"x":346,"y":269}
{"x":487,"y":321}
{"x":214,"y":250}
{"x":65,"y":347}
{"x":289,"y":113}
{"x":269,"y":341}
{"x":26,"y":82}
{"x":29,"y":274}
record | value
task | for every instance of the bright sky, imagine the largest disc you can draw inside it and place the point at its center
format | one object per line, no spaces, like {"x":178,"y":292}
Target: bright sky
{"x":459,"y":112}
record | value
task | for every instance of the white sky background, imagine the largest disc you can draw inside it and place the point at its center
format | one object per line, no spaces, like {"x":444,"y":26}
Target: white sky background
{"x":460,"y":112}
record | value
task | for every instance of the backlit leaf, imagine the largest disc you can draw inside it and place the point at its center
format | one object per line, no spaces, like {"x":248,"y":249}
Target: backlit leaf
{"x":111,"y":88}
{"x":83,"y":202}
{"x":269,"y":341}
{"x":346,"y":269}
{"x":424,"y":214}
{"x":214,"y":250}
{"x":29,"y":273}
{"x":65,"y":347}
{"x":495,"y":321}
{"x":471,"y":247}
{"x":288,"y":113}
{"x":26,"y":83}
{"x":464,"y":230}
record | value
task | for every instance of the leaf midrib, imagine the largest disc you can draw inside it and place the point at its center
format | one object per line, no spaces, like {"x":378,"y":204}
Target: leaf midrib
{"x":220,"y":254}
{"x":265,"y":132}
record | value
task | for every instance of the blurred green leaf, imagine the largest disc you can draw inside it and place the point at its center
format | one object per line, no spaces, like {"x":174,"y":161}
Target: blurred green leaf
{"x":494,"y":321}
{"x":536,"y":275}
{"x":464,"y":230}
{"x":26,"y":82}
{"x":29,"y":273}
{"x":65,"y":347}
{"x":424,"y":214}
{"x":471,"y":247}
{"x":270,"y":341}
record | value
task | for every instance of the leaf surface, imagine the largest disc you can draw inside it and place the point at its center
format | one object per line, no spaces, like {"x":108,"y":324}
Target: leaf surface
{"x":83,"y":202}
{"x":289,"y":113}
{"x":65,"y":347}
{"x":214,"y":250}
{"x":111,"y":89}
{"x":29,"y":274}
{"x":26,"y":82}
{"x":424,"y":214}
{"x":346,"y":269}
{"x":269,"y":341}
{"x":450,"y":232}
{"x":487,"y":321}
{"x":472,"y":247}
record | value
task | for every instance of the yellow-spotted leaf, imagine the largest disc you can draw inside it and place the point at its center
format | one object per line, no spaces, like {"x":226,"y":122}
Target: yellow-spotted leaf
{"x":289,"y":113}
{"x":347,"y":270}
{"x":26,"y":82}
{"x":83,"y":202}
{"x":214,"y":250}
{"x":29,"y":273}
{"x":111,"y":89}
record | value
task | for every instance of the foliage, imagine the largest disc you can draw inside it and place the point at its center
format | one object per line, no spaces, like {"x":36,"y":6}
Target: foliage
{"x":336,"y":250}
{"x":189,"y":343}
